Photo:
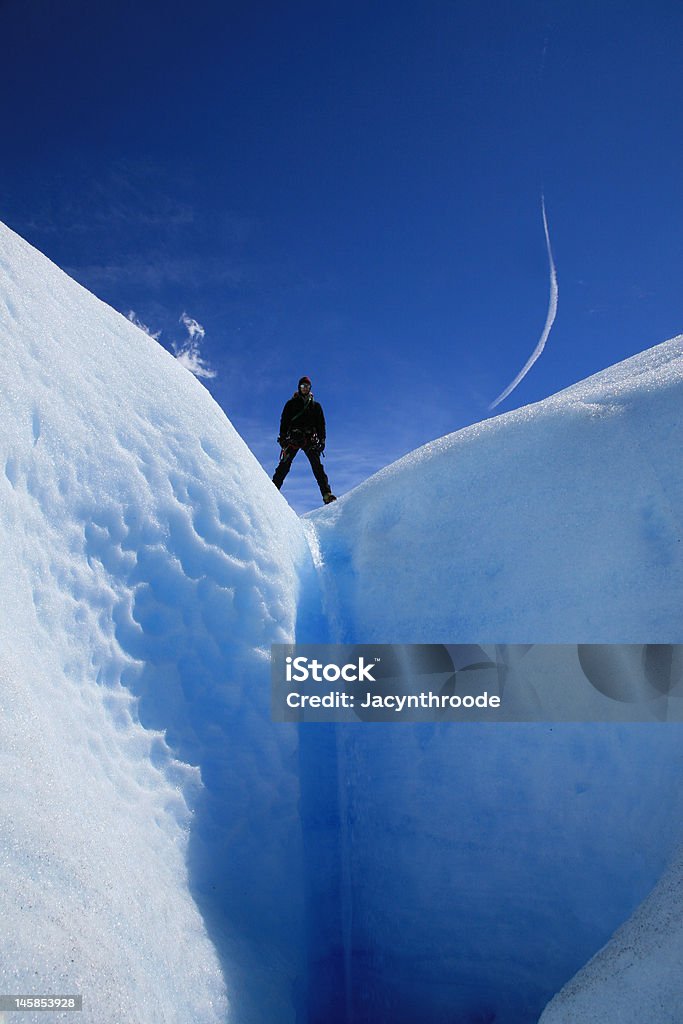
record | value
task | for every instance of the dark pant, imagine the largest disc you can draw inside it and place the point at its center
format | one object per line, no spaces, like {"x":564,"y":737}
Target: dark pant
{"x":285,"y":463}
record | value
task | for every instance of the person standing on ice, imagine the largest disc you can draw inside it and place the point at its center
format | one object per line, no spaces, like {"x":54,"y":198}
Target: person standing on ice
{"x":302,"y":427}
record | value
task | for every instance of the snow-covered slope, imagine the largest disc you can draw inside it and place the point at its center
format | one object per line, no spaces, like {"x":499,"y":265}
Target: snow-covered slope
{"x":557,"y":523}
{"x":169,"y":852}
{"x":636,"y":977}
{"x":143,"y":551}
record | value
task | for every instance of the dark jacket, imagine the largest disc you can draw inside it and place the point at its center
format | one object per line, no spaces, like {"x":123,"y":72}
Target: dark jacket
{"x":302,"y":414}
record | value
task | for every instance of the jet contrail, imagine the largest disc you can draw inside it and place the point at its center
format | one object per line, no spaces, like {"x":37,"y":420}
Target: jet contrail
{"x":550,"y":319}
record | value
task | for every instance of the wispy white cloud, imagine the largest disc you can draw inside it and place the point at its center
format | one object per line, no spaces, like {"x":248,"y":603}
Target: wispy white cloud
{"x":195,"y":330}
{"x":132,"y":316}
{"x":188,"y":352}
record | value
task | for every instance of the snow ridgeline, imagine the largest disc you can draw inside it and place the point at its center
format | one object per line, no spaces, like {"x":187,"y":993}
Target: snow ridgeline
{"x":149,"y":564}
{"x":557,"y":521}
{"x":143,"y":552}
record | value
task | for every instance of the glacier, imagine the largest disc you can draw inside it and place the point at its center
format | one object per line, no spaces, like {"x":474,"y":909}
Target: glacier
{"x":170,"y":852}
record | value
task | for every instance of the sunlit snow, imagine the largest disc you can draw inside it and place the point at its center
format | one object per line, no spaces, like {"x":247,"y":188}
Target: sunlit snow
{"x":173,"y":855}
{"x":144,"y":552}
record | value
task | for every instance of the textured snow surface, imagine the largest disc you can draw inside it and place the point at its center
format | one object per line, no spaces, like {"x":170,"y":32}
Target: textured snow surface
{"x":174,"y":856}
{"x":636,"y":977}
{"x":144,"y":552}
{"x":555,"y":523}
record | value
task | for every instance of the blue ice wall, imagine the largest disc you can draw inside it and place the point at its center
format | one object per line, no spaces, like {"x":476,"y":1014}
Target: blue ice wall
{"x":461,"y":873}
{"x":474,"y":868}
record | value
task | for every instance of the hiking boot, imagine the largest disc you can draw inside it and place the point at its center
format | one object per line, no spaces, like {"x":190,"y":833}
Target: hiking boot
{"x":327,"y":498}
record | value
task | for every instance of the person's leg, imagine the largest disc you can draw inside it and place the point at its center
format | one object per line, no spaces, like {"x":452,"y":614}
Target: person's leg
{"x":284,"y":466}
{"x":318,"y":471}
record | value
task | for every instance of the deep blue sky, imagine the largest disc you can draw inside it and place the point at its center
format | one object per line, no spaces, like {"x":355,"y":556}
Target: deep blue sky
{"x":352,"y":190}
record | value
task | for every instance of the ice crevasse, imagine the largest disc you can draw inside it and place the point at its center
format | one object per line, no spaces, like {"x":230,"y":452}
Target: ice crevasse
{"x":174,"y":855}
